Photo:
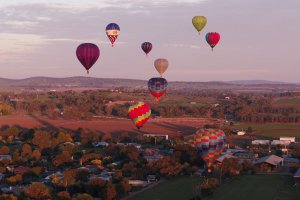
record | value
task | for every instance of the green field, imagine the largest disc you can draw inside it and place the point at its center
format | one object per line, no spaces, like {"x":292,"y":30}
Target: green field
{"x":258,"y":187}
{"x":272,"y":130}
{"x":176,"y":188}
{"x":248,"y":187}
{"x":288,"y":101}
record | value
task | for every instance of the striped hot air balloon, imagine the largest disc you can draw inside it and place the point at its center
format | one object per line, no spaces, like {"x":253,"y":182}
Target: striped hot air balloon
{"x":112,"y":32}
{"x":209,"y":144}
{"x":157,"y":87}
{"x":146,"y":47}
{"x":139,"y":114}
{"x":87,"y":54}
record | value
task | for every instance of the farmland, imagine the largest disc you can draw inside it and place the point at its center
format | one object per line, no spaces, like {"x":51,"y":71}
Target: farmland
{"x":244,"y":187}
{"x":271,"y":130}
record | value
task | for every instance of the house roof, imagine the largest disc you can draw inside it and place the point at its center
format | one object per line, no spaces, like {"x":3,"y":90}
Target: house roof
{"x":221,"y":158}
{"x":271,"y":159}
{"x":297,"y":174}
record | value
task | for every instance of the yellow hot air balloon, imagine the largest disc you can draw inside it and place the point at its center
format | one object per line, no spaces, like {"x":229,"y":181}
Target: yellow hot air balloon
{"x":161,"y":65}
{"x":199,"y":22}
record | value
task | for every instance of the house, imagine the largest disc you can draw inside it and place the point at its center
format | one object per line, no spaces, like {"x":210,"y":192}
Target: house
{"x":222,"y":158}
{"x":100,"y":144}
{"x":21,"y":170}
{"x":270,"y":162}
{"x":281,"y":142}
{"x":286,"y":138}
{"x":137,"y":183}
{"x":5,"y":157}
{"x":287,"y":161}
{"x":260,"y":142}
{"x":246,"y":156}
{"x":297,"y":177}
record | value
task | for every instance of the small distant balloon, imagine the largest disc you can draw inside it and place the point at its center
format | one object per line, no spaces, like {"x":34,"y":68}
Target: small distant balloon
{"x":199,"y":22}
{"x":157,"y":87}
{"x":112,"y":32}
{"x":212,"y":38}
{"x":161,"y":65}
{"x":146,"y":47}
{"x":87,"y":54}
{"x":139,"y":114}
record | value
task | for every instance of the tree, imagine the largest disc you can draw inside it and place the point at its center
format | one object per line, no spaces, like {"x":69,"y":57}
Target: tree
{"x":83,"y":196}
{"x":63,"y":195}
{"x":26,"y":150}
{"x":38,"y":191}
{"x":110,"y":192}
{"x":4,"y":150}
{"x":36,"y":155}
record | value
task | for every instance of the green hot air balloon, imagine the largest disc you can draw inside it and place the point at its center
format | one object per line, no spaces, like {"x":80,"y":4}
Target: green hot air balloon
{"x":199,"y":22}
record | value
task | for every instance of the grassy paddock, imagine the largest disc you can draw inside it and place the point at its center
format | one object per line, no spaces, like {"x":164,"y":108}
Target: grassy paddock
{"x":176,"y":188}
{"x":272,"y":130}
{"x":248,"y":187}
{"x":258,"y":187}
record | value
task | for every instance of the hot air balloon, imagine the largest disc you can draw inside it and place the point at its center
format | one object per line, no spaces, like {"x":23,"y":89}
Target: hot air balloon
{"x":157,"y":87}
{"x":139,"y":114}
{"x":209,"y":144}
{"x":199,"y":22}
{"x":212,"y":39}
{"x":161,"y":65}
{"x":87,"y":54}
{"x":147,"y":47}
{"x":112,"y":32}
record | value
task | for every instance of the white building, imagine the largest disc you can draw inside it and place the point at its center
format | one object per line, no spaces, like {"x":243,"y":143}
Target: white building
{"x":287,"y":138}
{"x":241,"y":132}
{"x":260,"y":142}
{"x":281,"y":142}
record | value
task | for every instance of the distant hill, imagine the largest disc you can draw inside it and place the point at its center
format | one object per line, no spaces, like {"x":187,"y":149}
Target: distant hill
{"x":256,"y":82}
{"x":91,"y":82}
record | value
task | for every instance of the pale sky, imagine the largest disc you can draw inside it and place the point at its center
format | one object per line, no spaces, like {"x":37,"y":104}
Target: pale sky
{"x":259,"y":38}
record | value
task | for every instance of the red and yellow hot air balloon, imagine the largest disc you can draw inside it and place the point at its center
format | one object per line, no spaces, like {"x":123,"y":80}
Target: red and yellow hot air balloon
{"x":139,"y":114}
{"x":212,"y":38}
{"x":209,"y":144}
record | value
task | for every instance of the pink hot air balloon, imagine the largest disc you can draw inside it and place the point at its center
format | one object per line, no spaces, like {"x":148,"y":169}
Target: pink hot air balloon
{"x":212,"y":39}
{"x":87,"y":54}
{"x":146,"y":47}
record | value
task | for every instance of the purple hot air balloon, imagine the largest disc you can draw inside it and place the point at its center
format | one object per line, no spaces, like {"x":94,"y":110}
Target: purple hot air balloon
{"x":87,"y":54}
{"x":147,"y":47}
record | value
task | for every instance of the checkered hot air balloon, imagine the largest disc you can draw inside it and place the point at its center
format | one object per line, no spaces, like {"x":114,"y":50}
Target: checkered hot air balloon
{"x":139,"y":114}
{"x":209,"y":144}
{"x":112,"y":32}
{"x":157,"y":87}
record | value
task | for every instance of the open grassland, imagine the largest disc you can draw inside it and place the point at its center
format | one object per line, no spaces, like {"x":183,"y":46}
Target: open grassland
{"x":248,"y":187}
{"x":258,"y":187}
{"x":272,"y":130}
{"x":176,"y":188}
{"x":295,"y":101}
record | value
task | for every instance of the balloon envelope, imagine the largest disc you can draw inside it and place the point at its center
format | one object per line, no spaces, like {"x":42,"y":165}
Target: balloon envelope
{"x":112,"y":32}
{"x":199,"y":22}
{"x":209,"y":144}
{"x":146,"y":47}
{"x":157,"y":87}
{"x":139,"y":114}
{"x":161,"y":65}
{"x":87,"y":54}
{"x":212,"y":38}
